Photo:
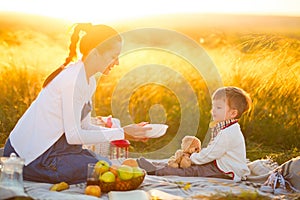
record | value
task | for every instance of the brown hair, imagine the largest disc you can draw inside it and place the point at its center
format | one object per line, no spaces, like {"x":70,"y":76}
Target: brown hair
{"x":95,"y":34}
{"x":235,"y":97}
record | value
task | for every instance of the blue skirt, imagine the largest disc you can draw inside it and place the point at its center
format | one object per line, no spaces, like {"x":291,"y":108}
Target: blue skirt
{"x":61,"y":162}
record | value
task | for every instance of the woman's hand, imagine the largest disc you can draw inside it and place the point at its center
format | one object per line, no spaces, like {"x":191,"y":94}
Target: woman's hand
{"x":136,"y":132}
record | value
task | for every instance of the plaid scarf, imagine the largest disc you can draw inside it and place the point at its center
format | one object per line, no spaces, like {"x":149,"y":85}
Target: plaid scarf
{"x":218,"y":126}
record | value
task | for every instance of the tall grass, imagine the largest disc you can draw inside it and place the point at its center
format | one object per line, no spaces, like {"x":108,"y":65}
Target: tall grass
{"x":265,"y":65}
{"x":268,"y":67}
{"x":26,"y":58}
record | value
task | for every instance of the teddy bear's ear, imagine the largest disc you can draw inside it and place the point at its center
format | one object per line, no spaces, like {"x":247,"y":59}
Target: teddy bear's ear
{"x":197,"y":142}
{"x":189,"y":143}
{"x":185,"y":145}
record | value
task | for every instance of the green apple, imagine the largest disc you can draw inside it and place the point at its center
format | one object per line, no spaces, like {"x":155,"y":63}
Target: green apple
{"x":125,"y":172}
{"x":137,"y":172}
{"x":107,"y":177}
{"x":101,"y":167}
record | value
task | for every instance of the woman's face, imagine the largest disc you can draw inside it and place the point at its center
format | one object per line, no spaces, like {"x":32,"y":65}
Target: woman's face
{"x":108,"y":59}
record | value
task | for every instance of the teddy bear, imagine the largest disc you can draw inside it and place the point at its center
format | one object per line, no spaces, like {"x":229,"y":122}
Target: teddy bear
{"x":181,"y":158}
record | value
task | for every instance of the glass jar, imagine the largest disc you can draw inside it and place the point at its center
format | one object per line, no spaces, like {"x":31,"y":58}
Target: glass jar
{"x":12,"y":172}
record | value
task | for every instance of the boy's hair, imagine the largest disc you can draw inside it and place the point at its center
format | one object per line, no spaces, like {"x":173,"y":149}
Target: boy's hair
{"x":235,"y":97}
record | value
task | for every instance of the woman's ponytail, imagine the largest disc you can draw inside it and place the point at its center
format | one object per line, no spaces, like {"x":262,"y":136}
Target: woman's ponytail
{"x":72,"y":51}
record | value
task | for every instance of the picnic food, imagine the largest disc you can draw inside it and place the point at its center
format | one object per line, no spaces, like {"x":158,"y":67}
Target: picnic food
{"x":93,"y":190}
{"x":137,"y":172}
{"x":101,"y":166}
{"x":120,"y":178}
{"x":107,"y":177}
{"x":114,"y":170}
{"x":130,"y":162}
{"x":125,"y":172}
{"x":59,"y":186}
{"x":181,"y":159}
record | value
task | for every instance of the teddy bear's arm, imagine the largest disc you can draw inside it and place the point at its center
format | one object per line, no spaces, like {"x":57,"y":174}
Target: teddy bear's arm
{"x":185,"y":161}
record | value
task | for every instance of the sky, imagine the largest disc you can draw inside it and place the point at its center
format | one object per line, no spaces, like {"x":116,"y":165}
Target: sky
{"x":112,"y":10}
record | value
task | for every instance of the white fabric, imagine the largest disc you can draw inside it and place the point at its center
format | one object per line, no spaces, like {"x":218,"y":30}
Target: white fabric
{"x":181,"y":187}
{"x":57,"y":110}
{"x":229,"y":150}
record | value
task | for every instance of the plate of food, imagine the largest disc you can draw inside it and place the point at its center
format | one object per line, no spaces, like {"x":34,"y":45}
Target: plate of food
{"x":157,"y":130}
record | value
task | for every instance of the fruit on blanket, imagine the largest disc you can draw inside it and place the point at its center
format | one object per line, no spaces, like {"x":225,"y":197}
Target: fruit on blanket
{"x":137,"y":172}
{"x":107,"y":177}
{"x":130,"y":162}
{"x":59,"y":186}
{"x":101,"y":167}
{"x":93,"y":190}
{"x":125,"y":172}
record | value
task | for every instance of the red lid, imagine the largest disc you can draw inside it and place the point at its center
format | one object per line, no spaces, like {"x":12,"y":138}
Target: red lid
{"x":120,"y":143}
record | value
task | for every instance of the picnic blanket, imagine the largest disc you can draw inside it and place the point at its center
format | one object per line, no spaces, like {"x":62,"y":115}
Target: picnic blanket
{"x":178,"y":187}
{"x":164,"y":187}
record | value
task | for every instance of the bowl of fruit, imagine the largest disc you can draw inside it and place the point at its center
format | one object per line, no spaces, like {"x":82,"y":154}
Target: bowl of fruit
{"x":124,"y":177}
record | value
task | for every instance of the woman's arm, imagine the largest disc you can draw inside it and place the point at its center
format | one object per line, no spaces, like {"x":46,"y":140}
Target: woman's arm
{"x":74,"y":96}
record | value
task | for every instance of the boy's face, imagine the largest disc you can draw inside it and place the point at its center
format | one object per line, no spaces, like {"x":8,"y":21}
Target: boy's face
{"x":221,"y":111}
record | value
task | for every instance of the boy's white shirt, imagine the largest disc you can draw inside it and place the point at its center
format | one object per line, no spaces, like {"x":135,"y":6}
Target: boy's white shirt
{"x":229,"y":150}
{"x":57,"y":110}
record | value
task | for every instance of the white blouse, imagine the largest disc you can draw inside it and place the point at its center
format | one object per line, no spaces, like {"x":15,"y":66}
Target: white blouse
{"x":57,"y":110}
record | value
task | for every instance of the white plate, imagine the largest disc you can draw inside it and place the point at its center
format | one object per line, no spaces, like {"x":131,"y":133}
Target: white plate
{"x":158,"y":130}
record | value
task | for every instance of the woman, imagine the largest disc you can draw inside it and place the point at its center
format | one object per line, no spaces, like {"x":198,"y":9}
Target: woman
{"x":50,"y":134}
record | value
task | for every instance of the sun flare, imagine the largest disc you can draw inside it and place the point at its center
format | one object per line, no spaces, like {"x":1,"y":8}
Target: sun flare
{"x":103,"y":11}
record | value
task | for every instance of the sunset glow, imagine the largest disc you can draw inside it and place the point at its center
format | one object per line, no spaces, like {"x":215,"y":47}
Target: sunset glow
{"x":93,"y":10}
{"x":173,"y":56}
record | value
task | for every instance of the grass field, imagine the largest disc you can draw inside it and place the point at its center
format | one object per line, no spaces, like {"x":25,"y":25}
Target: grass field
{"x":261,"y":60}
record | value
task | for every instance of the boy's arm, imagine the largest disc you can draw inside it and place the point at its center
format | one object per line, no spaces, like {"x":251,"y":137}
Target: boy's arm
{"x":215,"y":150}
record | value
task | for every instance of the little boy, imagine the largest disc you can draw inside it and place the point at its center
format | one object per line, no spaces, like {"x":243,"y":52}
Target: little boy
{"x":225,"y":155}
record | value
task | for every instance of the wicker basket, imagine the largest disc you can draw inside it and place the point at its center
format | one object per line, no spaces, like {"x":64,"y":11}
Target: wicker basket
{"x":120,"y":185}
